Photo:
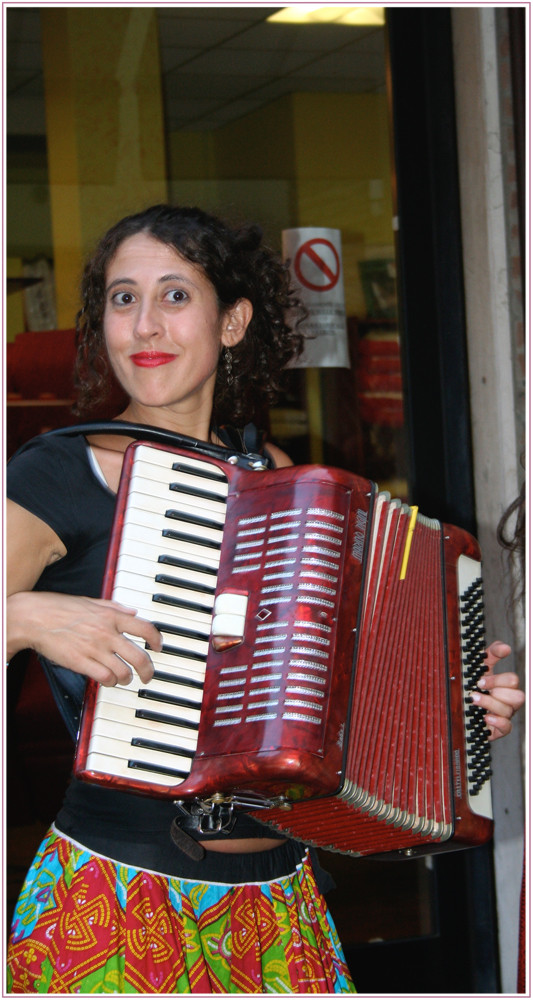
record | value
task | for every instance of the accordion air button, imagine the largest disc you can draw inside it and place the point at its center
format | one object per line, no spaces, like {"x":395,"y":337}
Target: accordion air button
{"x":231,"y":604}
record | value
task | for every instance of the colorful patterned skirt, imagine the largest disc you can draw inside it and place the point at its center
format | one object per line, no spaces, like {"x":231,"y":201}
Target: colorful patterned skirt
{"x":85,"y":924}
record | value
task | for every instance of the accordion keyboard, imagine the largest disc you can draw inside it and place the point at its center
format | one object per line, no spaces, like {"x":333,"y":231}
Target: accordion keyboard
{"x":167,"y":569}
{"x":472,"y":655}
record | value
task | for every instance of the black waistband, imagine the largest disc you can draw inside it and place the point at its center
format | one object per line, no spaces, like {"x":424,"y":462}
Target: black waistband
{"x":139,"y":830}
{"x":136,"y":830}
{"x":215,"y":866}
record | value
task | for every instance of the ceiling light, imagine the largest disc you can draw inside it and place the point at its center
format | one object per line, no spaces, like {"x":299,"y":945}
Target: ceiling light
{"x":304,"y":13}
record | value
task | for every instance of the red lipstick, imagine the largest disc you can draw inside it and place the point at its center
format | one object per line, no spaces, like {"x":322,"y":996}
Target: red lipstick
{"x":151,"y":359}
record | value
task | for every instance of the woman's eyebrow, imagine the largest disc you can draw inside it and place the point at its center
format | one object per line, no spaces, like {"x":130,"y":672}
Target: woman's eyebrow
{"x":119,"y":281}
{"x":175,"y":277}
{"x":164,"y":278}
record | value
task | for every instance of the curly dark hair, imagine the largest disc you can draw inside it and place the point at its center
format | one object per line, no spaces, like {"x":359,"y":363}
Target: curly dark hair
{"x":238,"y":265}
{"x":511,"y":534}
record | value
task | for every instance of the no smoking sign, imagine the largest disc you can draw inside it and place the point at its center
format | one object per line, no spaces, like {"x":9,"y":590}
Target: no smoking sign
{"x":317,"y":265}
{"x":315,"y":258}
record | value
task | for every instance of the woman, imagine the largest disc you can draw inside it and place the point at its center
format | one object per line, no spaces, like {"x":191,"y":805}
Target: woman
{"x":189,"y":317}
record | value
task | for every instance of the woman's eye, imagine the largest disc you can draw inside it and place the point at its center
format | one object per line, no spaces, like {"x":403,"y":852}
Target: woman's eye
{"x":176,"y":295}
{"x":123,"y":298}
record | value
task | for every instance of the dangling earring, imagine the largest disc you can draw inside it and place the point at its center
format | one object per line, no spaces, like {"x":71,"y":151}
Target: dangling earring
{"x":228,"y":364}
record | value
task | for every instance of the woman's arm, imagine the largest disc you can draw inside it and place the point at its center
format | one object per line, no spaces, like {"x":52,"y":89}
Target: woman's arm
{"x":84,"y":634}
{"x":280,"y":458}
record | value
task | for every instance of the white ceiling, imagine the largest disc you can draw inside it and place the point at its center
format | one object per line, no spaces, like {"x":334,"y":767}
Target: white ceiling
{"x":218,"y":63}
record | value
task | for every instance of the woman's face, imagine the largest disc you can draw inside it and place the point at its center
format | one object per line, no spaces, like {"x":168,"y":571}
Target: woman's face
{"x":163,"y":326}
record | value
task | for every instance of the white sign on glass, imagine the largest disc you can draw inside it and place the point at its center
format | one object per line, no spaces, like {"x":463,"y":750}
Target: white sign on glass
{"x":315,"y":258}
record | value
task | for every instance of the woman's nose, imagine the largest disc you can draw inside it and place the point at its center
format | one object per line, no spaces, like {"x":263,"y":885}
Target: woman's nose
{"x":148,"y":320}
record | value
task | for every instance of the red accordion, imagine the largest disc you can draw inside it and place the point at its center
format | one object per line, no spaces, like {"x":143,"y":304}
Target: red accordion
{"x":320,"y":641}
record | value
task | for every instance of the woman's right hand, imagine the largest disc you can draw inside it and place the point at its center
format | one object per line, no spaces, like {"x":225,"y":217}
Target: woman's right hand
{"x":86,"y":635}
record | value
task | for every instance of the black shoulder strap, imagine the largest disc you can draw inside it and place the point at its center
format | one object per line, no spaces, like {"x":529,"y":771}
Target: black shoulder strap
{"x":144,"y":432}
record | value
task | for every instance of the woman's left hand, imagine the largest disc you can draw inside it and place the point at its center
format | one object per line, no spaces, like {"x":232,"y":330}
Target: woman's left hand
{"x":499,"y":694}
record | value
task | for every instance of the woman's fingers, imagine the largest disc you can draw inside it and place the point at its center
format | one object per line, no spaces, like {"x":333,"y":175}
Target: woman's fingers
{"x":504,"y":701}
{"x":90,"y":636}
{"x":497,"y":726}
{"x":134,"y":656}
{"x":499,"y":693}
{"x":501,"y":697}
{"x":505,"y":687}
{"x":118,"y":656}
{"x":129,"y":656}
{"x":496,"y":651}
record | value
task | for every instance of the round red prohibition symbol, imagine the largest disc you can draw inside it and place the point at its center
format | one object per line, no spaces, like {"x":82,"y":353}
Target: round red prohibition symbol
{"x":317,"y":265}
